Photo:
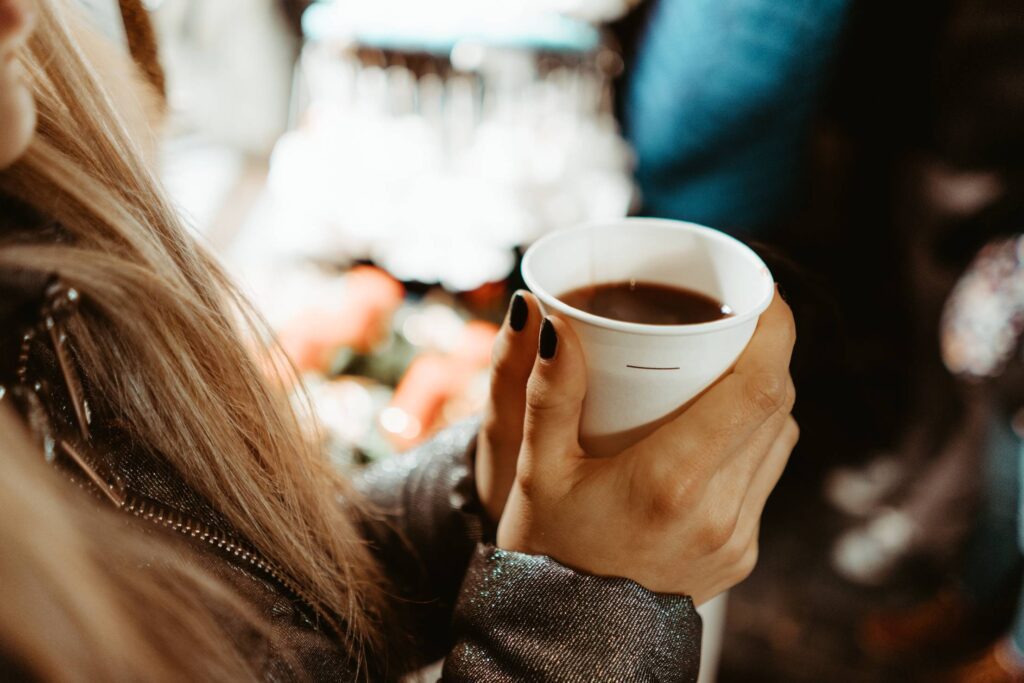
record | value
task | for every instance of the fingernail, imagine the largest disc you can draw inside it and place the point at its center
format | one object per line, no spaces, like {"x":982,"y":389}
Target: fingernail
{"x":518,"y":312}
{"x":548,"y":340}
{"x":782,"y":291}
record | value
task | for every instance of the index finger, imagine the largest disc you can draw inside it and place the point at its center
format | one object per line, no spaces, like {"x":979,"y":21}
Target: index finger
{"x":728,"y":413}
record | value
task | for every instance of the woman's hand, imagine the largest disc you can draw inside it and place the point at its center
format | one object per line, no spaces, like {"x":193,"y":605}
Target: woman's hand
{"x":679,"y":512}
{"x":501,"y":433}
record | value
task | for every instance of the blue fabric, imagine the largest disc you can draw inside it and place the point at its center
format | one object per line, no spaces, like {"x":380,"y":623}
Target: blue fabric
{"x":1020,"y":494}
{"x":993,"y":552}
{"x":996,"y":546}
{"x":1017,"y":635}
{"x":719,"y":103}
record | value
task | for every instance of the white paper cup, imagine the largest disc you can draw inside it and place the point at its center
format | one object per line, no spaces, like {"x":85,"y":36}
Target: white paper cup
{"x":640,"y":376}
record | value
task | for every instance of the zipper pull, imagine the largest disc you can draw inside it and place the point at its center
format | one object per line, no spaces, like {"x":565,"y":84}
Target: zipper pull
{"x":115,"y":492}
{"x":61,"y":302}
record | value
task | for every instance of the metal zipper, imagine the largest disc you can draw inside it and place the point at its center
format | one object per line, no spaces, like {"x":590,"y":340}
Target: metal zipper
{"x":60,"y":301}
{"x":166,"y":517}
{"x":169,"y":518}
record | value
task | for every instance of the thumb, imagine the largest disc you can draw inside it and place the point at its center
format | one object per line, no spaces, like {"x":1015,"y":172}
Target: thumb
{"x":554,"y":396}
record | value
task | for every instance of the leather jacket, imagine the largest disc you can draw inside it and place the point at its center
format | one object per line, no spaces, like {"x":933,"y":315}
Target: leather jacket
{"x":492,"y":615}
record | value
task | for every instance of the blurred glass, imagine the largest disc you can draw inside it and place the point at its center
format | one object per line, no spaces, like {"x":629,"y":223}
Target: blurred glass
{"x":436,"y":139}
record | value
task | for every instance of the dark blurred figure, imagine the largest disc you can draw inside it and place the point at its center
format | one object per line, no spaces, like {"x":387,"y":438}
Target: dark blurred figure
{"x":974,"y":181}
{"x":880,"y":162}
{"x":981,"y":334}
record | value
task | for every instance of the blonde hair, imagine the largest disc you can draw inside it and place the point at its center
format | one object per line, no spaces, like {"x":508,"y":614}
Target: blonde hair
{"x":159,"y":339}
{"x":76,"y":603}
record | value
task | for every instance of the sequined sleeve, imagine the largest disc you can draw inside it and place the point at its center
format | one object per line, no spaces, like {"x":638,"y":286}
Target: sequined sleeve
{"x":423,"y":525}
{"x":504,"y":616}
{"x":528,"y":618}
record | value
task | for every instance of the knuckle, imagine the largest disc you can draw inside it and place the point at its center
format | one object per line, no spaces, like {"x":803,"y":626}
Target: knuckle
{"x":662,"y":505}
{"x":766,"y":391}
{"x":490,"y":424}
{"x":503,"y":358}
{"x":735,"y":548}
{"x":794,"y":431}
{"x":544,"y":399}
{"x":744,"y":567}
{"x":790,"y":327}
{"x":716,"y":533}
{"x":538,"y":394}
{"x":526,"y":476}
{"x":790,"y":397}
{"x":673,"y":499}
{"x":787,"y":323}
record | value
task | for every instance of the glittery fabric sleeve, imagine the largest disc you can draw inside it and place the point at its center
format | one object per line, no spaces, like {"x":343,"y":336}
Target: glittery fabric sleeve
{"x":528,"y":618}
{"x":424,"y":523}
{"x":983,"y":320}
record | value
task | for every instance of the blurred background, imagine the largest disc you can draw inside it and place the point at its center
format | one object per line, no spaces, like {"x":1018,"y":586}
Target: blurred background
{"x":371,"y":172}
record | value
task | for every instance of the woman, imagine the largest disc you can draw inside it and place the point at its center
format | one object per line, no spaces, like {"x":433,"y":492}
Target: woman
{"x":123,"y":350}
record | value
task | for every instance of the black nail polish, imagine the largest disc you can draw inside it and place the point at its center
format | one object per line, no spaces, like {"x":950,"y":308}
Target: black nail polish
{"x":548,"y":340}
{"x":518,"y":312}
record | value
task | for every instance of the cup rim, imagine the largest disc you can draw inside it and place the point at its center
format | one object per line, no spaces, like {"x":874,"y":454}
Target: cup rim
{"x":561,"y":307}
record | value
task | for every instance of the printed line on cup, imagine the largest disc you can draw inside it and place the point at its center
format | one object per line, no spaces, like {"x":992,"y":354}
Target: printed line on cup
{"x":647,"y":367}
